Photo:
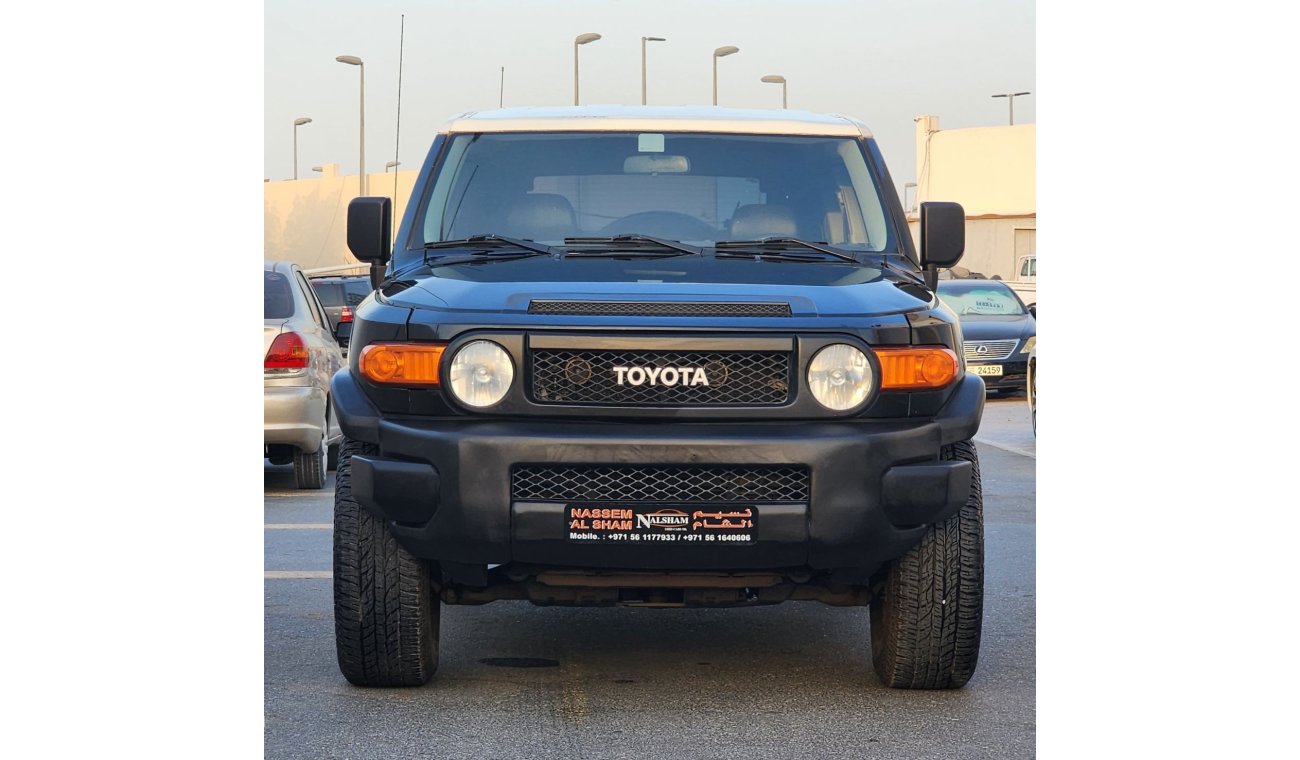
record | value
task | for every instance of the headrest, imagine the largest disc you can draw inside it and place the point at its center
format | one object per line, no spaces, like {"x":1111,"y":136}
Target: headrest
{"x":541,"y":216}
{"x":759,"y":221}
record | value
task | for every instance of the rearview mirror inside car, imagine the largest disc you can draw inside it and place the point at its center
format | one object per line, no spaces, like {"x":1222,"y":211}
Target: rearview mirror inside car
{"x":656,"y":165}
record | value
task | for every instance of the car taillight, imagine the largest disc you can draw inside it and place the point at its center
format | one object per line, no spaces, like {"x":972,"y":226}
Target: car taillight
{"x":288,"y":351}
{"x":345,"y":315}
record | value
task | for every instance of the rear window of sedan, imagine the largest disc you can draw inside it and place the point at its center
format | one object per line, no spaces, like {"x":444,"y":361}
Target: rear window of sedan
{"x":277,"y":298}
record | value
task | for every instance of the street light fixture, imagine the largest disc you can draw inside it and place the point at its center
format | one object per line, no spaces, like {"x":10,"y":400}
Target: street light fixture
{"x":720,"y":53}
{"x":297,"y":123}
{"x":390,"y":165}
{"x":581,"y":39}
{"x":1011,"y":108}
{"x":644,"y":40}
{"x":352,"y":60}
{"x":778,"y":79}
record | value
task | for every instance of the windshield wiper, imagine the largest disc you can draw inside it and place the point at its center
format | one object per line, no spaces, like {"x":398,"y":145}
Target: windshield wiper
{"x":491,"y":242}
{"x":778,"y":247}
{"x":635,"y":244}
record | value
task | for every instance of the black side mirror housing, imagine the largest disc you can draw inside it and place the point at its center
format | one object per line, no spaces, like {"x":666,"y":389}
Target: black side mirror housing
{"x":370,"y":233}
{"x":1033,"y":311}
{"x":943,"y":237}
{"x":343,"y":333}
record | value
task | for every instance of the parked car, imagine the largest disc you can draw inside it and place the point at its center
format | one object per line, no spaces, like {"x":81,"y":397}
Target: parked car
{"x":340,"y":295}
{"x":664,"y":357}
{"x":997,"y":330}
{"x":301,"y":355}
{"x":1026,"y":280}
{"x":1032,"y":393}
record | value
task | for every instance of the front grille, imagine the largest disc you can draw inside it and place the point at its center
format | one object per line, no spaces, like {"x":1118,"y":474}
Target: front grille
{"x":674,"y":484}
{"x":993,"y":350}
{"x":735,"y":378}
{"x":658,"y":309}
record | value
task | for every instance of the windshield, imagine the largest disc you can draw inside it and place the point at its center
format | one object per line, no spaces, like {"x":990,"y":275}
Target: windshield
{"x":694,"y":188}
{"x":979,"y":298}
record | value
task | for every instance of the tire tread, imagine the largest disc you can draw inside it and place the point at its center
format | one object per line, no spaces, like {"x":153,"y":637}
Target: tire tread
{"x":386,"y":617}
{"x":926,"y":620}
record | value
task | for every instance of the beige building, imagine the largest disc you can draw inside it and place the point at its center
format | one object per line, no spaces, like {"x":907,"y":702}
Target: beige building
{"x":306,"y":219}
{"x":990,"y":171}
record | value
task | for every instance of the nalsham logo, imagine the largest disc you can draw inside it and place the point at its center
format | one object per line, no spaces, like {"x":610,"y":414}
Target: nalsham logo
{"x":664,"y":519}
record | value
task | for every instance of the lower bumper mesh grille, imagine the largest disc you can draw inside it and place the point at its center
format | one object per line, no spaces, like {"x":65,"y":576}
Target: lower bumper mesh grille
{"x":667,"y":483}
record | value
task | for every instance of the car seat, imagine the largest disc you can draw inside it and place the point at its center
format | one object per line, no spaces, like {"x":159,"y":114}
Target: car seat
{"x":757,"y":221}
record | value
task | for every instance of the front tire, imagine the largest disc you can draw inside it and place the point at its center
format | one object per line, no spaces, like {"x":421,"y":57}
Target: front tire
{"x":926,"y":620}
{"x":386,"y":616}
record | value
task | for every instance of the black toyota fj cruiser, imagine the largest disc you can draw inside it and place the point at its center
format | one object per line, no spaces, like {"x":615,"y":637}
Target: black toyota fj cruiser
{"x":656,"y":356}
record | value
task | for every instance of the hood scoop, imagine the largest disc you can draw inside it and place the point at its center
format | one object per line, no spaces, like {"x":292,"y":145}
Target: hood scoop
{"x":659,"y":308}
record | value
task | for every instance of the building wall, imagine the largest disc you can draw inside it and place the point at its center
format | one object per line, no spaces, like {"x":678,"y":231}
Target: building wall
{"x":306,"y":219}
{"x":991,"y":172}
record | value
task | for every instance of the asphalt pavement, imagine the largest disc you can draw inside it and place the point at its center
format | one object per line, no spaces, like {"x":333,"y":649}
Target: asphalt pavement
{"x":788,"y":681}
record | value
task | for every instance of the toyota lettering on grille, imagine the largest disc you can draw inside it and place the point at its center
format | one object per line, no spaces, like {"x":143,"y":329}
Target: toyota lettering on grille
{"x":665,"y":376}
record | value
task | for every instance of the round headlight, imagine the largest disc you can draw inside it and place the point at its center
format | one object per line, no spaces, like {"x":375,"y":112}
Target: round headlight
{"x":840,"y":377}
{"x":481,"y":373}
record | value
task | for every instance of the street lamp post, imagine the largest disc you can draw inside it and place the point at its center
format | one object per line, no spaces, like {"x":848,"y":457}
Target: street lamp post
{"x":1011,"y":108}
{"x":581,"y":39}
{"x":297,"y":123}
{"x":778,"y":79}
{"x":352,"y":60}
{"x":644,"y":40}
{"x":390,"y":165}
{"x":720,"y":53}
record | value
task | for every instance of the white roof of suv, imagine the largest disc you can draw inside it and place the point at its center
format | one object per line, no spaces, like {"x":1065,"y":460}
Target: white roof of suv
{"x":656,"y":119}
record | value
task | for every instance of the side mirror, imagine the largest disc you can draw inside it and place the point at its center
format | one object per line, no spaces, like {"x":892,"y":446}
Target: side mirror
{"x":370,"y":233}
{"x":343,"y":333}
{"x":1033,"y":310}
{"x":943,"y":237}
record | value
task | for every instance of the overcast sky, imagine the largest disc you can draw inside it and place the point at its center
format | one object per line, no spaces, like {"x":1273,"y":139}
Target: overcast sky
{"x":883,"y":61}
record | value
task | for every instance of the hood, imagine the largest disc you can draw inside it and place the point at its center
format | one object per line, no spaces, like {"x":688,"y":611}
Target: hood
{"x":999,"y":327}
{"x":813,"y":288}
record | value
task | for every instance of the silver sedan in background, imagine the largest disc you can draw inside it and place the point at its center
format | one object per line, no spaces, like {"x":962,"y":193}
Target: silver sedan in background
{"x":301,"y":355}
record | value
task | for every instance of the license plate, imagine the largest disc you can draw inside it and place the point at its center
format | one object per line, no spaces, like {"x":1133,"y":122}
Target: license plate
{"x":994,"y":370}
{"x":645,"y":524}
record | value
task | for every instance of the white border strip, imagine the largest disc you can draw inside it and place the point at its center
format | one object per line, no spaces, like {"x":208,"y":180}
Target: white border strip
{"x":298,"y":575}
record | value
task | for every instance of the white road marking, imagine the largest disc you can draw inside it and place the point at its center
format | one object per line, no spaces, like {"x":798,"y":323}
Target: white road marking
{"x":1007,"y":447}
{"x":298,"y":575}
{"x":298,"y":526}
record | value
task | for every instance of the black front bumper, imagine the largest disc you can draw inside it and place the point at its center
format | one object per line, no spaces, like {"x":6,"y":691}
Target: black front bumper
{"x":445,"y":484}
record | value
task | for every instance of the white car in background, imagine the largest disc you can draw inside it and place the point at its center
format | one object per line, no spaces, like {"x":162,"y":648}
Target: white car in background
{"x":301,"y":354}
{"x":1026,"y":282}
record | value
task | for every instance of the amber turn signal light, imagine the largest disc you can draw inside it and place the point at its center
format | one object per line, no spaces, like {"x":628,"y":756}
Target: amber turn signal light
{"x":916,"y":368}
{"x":414,"y":364}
